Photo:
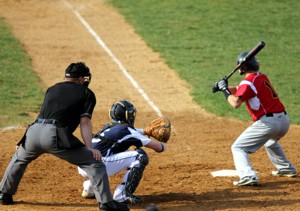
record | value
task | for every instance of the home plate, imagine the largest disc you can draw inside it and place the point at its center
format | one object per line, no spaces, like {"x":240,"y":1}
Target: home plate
{"x":224,"y":173}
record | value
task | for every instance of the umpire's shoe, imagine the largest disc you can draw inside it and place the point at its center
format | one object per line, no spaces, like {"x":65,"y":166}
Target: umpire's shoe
{"x":6,"y":199}
{"x":114,"y":206}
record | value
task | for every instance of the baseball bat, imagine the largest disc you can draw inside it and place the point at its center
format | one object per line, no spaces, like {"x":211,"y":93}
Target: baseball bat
{"x":250,"y":55}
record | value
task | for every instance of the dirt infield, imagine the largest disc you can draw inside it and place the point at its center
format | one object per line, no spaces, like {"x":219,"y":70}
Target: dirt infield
{"x":178,"y":179}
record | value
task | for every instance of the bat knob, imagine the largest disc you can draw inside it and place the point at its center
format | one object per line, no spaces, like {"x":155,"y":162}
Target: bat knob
{"x":215,"y":88}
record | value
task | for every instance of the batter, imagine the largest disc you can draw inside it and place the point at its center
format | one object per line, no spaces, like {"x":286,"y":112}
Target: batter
{"x":271,"y":122}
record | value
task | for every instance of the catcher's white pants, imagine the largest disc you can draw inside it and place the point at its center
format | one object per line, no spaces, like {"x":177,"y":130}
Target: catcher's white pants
{"x":114,"y":164}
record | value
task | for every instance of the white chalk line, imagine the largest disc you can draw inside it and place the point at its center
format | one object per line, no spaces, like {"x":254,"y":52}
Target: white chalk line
{"x":115,"y":59}
{"x":10,"y":128}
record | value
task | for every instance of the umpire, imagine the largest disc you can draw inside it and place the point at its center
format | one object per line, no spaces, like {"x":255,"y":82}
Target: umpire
{"x":66,"y":105}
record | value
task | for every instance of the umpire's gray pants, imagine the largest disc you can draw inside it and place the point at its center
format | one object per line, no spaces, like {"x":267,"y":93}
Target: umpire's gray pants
{"x":41,"y":138}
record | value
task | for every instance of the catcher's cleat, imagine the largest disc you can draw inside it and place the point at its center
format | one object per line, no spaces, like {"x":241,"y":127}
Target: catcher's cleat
{"x":86,"y":194}
{"x":247,"y":181}
{"x":113,"y":206}
{"x":132,"y":199}
{"x":6,"y":199}
{"x":284,"y":173}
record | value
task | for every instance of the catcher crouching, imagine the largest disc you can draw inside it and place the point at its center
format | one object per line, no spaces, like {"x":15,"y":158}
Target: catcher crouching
{"x":113,"y":141}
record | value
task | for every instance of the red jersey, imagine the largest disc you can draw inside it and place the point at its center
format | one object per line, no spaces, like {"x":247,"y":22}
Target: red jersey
{"x":259,"y":95}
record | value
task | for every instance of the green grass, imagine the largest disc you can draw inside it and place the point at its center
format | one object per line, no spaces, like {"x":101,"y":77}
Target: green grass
{"x":201,"y":39}
{"x":19,"y":85}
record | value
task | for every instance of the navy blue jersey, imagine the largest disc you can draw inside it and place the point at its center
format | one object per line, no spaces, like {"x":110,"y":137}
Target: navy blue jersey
{"x":118,"y":138}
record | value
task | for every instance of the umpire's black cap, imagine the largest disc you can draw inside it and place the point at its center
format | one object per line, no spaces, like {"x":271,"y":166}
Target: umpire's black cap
{"x":76,"y":70}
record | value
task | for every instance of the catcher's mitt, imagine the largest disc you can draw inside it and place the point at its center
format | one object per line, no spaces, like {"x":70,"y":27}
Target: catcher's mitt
{"x":160,"y":129}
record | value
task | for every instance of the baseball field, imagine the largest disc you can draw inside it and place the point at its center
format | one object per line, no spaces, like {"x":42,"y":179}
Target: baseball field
{"x":55,"y":33}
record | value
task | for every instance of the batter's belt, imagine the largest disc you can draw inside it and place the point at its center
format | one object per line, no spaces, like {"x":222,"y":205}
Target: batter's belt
{"x":273,"y":114}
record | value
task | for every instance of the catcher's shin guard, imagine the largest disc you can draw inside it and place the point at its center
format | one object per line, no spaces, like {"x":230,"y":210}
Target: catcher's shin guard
{"x":136,"y":173}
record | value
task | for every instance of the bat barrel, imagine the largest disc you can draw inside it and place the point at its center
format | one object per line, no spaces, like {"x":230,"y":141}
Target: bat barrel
{"x":250,"y":55}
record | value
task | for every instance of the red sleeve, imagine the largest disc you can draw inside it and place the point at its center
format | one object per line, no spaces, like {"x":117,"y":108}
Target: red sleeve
{"x":245,"y":92}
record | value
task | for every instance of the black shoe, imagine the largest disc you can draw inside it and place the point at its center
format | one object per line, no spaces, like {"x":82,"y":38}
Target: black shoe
{"x":114,"y":206}
{"x":6,"y":199}
{"x":132,"y":199}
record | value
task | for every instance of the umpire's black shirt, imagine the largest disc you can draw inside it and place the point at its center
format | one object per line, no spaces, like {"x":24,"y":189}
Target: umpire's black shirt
{"x":67,"y":102}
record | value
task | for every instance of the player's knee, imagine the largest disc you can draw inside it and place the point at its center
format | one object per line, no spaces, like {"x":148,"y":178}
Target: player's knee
{"x":142,"y":157}
{"x":235,"y":148}
{"x":82,"y":172}
{"x":232,"y":148}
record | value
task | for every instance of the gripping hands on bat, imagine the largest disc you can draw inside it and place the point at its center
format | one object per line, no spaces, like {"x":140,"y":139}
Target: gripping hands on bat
{"x":222,"y":85}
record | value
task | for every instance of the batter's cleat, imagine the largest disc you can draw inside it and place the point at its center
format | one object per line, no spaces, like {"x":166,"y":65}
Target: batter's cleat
{"x":113,"y":206}
{"x":132,"y":199}
{"x":247,"y":181}
{"x":6,"y":199}
{"x":86,"y":194}
{"x":284,"y":173}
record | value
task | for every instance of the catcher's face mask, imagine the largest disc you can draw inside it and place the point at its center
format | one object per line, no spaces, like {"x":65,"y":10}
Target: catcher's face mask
{"x":123,"y":111}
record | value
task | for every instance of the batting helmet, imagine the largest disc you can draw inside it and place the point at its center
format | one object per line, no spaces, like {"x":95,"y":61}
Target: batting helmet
{"x":251,"y":64}
{"x":123,"y":111}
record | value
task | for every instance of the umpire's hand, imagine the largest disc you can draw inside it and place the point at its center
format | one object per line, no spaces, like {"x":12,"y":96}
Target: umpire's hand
{"x":96,"y":154}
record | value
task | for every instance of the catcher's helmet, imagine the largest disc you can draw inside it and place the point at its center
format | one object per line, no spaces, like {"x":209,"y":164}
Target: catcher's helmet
{"x":79,"y":69}
{"x":251,"y":64}
{"x":123,"y":111}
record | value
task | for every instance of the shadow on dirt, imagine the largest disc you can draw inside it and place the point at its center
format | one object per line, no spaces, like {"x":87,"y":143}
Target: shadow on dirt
{"x":231,"y":198}
{"x":228,"y":198}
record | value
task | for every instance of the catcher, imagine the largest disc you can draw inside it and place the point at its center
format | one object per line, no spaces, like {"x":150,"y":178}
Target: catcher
{"x":114,"y":140}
